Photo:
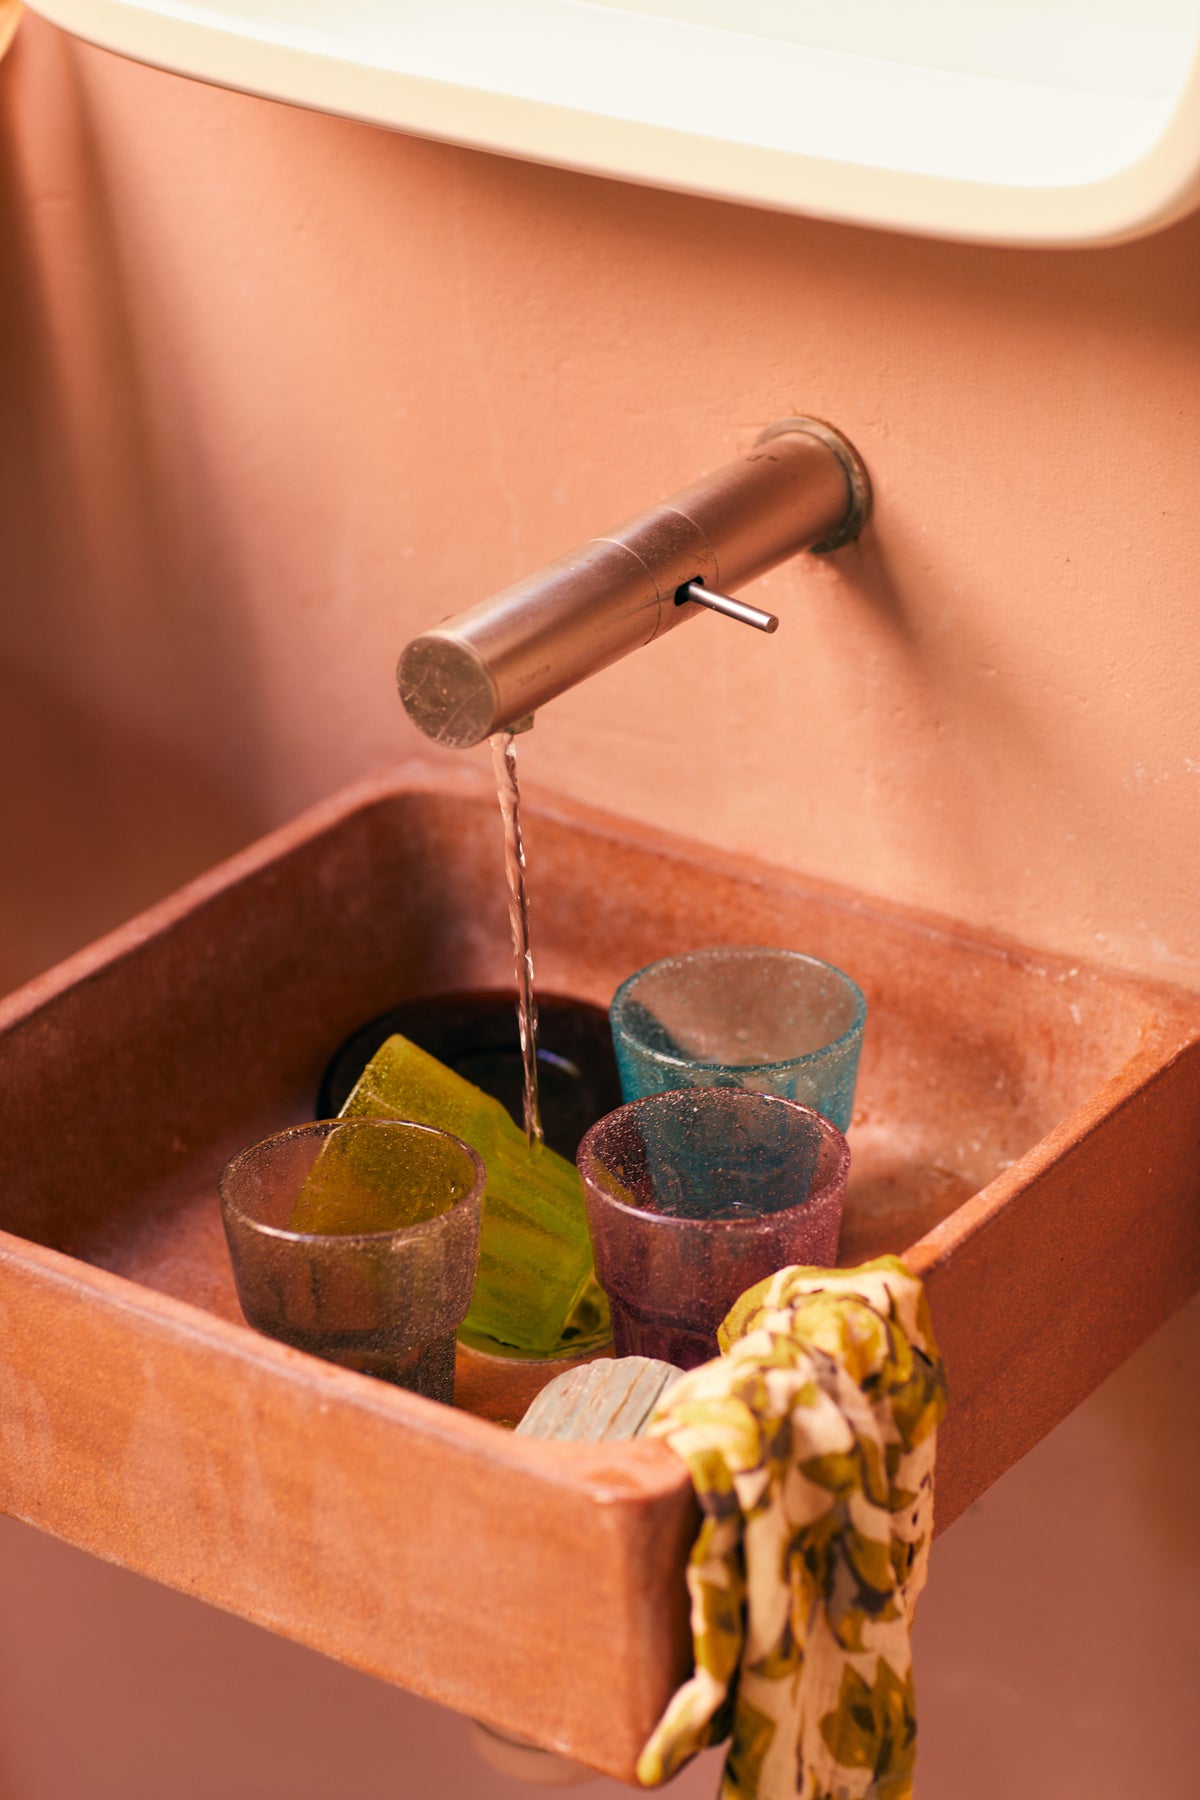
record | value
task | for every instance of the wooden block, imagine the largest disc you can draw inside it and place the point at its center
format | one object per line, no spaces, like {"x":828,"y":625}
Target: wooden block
{"x":603,"y":1402}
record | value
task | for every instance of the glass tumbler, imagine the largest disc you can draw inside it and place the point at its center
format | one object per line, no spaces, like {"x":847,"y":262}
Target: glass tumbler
{"x":695,"y":1195}
{"x":356,"y":1239}
{"x":745,"y":1016}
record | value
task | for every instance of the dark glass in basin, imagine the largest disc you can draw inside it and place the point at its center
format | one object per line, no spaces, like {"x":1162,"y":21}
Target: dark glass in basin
{"x":476,"y":1035}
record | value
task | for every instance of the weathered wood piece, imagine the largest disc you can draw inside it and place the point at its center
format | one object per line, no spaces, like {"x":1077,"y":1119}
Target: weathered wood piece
{"x":602,"y":1402}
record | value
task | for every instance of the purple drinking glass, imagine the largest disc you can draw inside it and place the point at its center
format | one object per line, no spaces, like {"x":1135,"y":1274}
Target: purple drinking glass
{"x":695,"y":1195}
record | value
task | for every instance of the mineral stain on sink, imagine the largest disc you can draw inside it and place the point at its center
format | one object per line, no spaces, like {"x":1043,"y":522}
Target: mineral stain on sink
{"x":1027,"y":1135}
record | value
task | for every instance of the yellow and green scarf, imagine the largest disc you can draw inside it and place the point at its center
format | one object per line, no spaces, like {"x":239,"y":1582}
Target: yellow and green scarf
{"x":811,"y":1446}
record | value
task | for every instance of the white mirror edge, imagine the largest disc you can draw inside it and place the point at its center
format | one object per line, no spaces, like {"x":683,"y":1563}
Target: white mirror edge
{"x":266,"y":56}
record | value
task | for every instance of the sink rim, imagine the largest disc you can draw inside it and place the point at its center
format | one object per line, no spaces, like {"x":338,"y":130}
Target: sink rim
{"x":1167,"y":1017}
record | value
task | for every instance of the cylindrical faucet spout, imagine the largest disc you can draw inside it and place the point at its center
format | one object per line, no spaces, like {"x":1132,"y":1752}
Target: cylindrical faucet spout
{"x":802,"y":486}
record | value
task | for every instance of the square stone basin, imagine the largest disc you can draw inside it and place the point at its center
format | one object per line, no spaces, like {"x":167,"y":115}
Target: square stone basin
{"x":1027,"y":1136}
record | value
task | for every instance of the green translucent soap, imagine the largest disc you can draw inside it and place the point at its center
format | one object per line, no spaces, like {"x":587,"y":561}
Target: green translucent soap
{"x":383,"y":1184}
{"x":534,"y":1288}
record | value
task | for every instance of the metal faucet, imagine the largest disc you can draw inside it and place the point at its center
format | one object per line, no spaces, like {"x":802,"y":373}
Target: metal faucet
{"x":802,"y":487}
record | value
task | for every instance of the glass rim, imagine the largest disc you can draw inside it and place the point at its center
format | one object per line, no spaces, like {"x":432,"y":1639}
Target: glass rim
{"x":311,"y":1127}
{"x":718,"y":950}
{"x":829,"y":1133}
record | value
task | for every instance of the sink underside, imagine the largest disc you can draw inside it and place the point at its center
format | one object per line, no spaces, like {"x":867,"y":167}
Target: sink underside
{"x":1027,"y":1133}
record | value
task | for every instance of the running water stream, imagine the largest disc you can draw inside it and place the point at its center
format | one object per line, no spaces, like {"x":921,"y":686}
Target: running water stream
{"x":504,"y":765}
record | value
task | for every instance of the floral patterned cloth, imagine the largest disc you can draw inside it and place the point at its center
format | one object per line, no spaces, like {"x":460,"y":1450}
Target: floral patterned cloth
{"x":811,"y":1446}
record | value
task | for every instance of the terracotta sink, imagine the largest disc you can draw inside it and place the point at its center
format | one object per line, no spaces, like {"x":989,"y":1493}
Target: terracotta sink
{"x":1028,"y":1134}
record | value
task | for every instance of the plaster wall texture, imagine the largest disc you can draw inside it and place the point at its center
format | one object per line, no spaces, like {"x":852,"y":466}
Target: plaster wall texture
{"x":282,"y":390}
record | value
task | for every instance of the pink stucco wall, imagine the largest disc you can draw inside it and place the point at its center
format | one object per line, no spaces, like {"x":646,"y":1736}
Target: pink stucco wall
{"x":280,"y":390}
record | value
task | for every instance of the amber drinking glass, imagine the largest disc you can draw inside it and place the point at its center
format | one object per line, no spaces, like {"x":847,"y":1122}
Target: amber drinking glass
{"x":695,"y":1195}
{"x":750,"y":1016}
{"x":356,"y":1239}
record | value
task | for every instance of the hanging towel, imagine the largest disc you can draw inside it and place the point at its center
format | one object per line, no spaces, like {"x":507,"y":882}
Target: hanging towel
{"x":811,"y":1445}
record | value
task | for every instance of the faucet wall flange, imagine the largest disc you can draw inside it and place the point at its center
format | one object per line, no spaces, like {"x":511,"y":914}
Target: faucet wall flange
{"x":857,"y":480}
{"x":802,"y":486}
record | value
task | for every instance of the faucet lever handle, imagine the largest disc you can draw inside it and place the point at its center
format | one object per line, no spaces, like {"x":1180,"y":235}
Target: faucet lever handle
{"x":725,"y":603}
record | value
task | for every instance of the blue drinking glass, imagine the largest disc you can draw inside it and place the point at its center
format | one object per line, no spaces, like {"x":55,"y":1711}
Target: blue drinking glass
{"x":757,"y":1017}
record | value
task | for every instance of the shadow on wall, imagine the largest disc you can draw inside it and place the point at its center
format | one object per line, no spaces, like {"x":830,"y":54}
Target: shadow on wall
{"x":97,"y":822}
{"x":123,"y":625}
{"x":114,"y":1689}
{"x":1064,"y":1606}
